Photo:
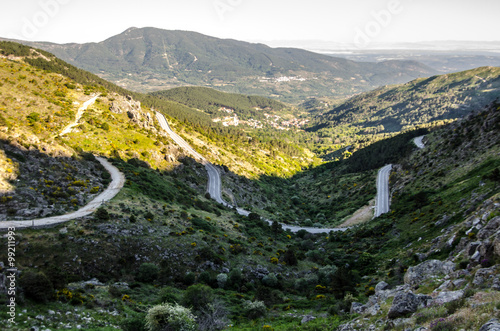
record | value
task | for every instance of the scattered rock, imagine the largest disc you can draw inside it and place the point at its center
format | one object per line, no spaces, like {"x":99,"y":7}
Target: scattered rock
{"x":307,"y":319}
{"x":403,"y":304}
{"x":482,"y":275}
{"x":382,"y":286}
{"x":357,"y":308}
{"x":431,"y":268}
{"x":448,"y":296}
{"x":492,"y":325}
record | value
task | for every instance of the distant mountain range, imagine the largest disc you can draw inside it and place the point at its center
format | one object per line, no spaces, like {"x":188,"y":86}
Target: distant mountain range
{"x":149,"y":59}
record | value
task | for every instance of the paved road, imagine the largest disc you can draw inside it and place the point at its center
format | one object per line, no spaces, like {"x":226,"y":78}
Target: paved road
{"x":118,"y":179}
{"x":418,"y":141}
{"x":79,"y":114}
{"x":214,"y":181}
{"x":382,"y":201}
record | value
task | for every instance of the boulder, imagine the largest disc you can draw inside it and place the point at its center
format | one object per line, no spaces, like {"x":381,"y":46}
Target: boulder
{"x":403,"y":304}
{"x":490,"y":229}
{"x":382,"y":286}
{"x":431,"y":268}
{"x":448,"y":296}
{"x":482,"y":275}
{"x":357,"y":308}
{"x":492,"y":325}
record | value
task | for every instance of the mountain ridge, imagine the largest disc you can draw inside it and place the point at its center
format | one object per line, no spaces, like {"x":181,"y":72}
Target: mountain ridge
{"x":157,"y":59}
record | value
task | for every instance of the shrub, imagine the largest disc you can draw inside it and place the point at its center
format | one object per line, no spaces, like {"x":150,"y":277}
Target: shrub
{"x":270,"y":280}
{"x":36,"y":286}
{"x":134,"y":322}
{"x":289,"y":257}
{"x":222,"y":280}
{"x":147,"y":273}
{"x":102,"y":214}
{"x":33,"y":118}
{"x":170,"y":317}
{"x":169,"y":295}
{"x":254,"y":309}
{"x":198,"y":296}
{"x":213,"y":317}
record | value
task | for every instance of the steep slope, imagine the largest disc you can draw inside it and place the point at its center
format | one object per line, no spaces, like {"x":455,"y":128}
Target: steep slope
{"x":150,"y":59}
{"x":438,"y":99}
{"x":439,"y":245}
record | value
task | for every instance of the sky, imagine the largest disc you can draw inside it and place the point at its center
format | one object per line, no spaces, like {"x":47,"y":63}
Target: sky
{"x":360,"y":22}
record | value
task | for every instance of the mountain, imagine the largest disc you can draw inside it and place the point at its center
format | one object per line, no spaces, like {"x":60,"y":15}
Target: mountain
{"x":149,"y":59}
{"x":396,"y":108}
{"x":161,"y":252}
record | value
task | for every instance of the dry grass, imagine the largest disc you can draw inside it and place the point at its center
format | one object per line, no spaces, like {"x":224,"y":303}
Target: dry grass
{"x":362,"y":215}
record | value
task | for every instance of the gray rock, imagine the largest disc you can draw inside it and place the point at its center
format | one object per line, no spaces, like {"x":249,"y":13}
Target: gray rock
{"x":357,"y":308}
{"x":490,"y":228}
{"x":496,"y":284}
{"x":492,"y":325}
{"x":382,"y":286}
{"x":307,"y":319}
{"x":448,"y":296}
{"x":431,"y":268}
{"x":457,"y":283}
{"x":403,"y":304}
{"x":482,"y":275}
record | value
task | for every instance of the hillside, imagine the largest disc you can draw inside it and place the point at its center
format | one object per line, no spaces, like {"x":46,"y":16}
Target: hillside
{"x":150,"y":59}
{"x":161,"y":242}
{"x":237,"y":109}
{"x":421,"y":102}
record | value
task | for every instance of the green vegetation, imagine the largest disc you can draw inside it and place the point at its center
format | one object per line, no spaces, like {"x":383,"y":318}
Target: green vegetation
{"x":371,"y":116}
{"x":159,"y":59}
{"x":161,"y":254}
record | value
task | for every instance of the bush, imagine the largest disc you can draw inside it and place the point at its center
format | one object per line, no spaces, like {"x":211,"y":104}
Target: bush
{"x":135,"y":322}
{"x":198,"y":296}
{"x":213,"y":317}
{"x":169,"y":295}
{"x":254,"y":309}
{"x":36,"y":286}
{"x":170,"y":317}
{"x":102,"y":214}
{"x":222,"y":280}
{"x":148,"y":272}
{"x":270,"y":280}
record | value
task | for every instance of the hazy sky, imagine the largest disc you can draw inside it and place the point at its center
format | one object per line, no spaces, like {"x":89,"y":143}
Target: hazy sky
{"x":362,"y":22}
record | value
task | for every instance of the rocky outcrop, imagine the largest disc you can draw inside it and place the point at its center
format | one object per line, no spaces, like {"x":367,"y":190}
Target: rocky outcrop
{"x":134,"y":111}
{"x":447,"y":296}
{"x":406,"y":303}
{"x":483,"y":275}
{"x":492,"y":325}
{"x":428,"y":269}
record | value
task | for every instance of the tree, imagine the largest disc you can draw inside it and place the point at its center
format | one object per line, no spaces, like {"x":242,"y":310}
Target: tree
{"x":289,"y":257}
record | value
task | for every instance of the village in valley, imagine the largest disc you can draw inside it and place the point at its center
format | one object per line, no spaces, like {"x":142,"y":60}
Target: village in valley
{"x":275,"y":121}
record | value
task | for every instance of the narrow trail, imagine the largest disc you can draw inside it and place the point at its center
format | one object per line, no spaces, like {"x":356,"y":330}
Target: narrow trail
{"x":117,"y":182}
{"x":79,"y":114}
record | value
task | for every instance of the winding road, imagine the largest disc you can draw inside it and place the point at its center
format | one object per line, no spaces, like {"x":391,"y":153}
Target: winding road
{"x":214,"y":181}
{"x":383,"y":194}
{"x":382,"y":201}
{"x":118,"y":179}
{"x":419,"y":142}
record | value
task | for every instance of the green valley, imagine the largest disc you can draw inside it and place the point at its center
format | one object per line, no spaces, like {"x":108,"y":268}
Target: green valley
{"x":163,"y":255}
